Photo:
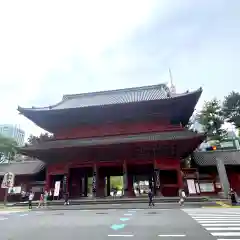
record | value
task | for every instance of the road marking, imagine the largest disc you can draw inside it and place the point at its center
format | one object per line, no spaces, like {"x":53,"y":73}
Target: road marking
{"x":223,"y":204}
{"x":226,"y":234}
{"x":223,"y":228}
{"x":118,"y":226}
{"x":228,"y":238}
{"x":132,"y":211}
{"x":127,"y":214}
{"x":216,"y":216}
{"x":3,"y":219}
{"x":212,"y":215}
{"x":22,"y":215}
{"x":172,"y":235}
{"x":219,"y":221}
{"x":116,"y":204}
{"x":122,"y":235}
{"x":124,"y":219}
{"x":219,"y":224}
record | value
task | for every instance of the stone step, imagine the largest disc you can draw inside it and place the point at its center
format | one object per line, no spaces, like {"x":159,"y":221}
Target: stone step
{"x":119,"y":201}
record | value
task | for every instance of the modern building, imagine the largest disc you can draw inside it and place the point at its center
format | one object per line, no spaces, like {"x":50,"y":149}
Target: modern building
{"x":138,"y":133}
{"x":13,"y":131}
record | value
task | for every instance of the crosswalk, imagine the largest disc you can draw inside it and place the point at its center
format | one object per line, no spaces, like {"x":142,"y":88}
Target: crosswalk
{"x":224,"y":223}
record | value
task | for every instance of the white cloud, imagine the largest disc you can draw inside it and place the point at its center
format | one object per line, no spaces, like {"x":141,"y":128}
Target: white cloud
{"x":40,"y":37}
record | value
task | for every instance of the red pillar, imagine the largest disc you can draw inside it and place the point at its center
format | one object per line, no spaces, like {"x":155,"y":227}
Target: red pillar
{"x":48,"y":180}
{"x":95,"y":180}
{"x":127,"y":182}
{"x":100,"y":186}
{"x":157,"y":179}
{"x":180,"y":179}
{"x":66,"y":180}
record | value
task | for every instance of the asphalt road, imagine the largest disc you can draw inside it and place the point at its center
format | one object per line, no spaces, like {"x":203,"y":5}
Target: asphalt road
{"x":109,"y":224}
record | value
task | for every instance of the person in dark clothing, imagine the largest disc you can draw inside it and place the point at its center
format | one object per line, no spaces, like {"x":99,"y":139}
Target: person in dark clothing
{"x":150,"y":198}
{"x":233,"y":197}
{"x":30,"y":198}
{"x":66,"y":198}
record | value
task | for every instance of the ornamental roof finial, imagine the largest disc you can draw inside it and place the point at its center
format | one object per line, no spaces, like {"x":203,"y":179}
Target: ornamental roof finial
{"x":172,"y":87}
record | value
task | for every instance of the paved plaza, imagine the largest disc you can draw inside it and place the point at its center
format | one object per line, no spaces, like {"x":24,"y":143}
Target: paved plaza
{"x":188,"y":223}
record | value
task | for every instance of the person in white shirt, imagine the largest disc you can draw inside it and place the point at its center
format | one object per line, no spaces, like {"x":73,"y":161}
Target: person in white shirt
{"x":182,"y":197}
{"x":30,"y":198}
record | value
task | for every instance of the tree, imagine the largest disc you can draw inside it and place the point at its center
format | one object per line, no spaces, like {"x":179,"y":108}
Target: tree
{"x":231,"y":108}
{"x":43,"y":137}
{"x":8,"y":148}
{"x":211,"y":118}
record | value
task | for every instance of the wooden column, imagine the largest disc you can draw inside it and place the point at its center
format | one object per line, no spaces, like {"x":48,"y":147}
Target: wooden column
{"x":127,"y":181}
{"x":156,"y":178}
{"x":94,"y":180}
{"x":48,"y":180}
{"x":180,"y":179}
{"x":66,"y":180}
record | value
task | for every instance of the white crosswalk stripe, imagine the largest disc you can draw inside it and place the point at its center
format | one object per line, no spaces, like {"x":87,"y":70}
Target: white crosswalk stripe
{"x":224,"y":224}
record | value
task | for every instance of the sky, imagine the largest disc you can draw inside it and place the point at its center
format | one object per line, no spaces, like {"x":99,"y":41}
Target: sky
{"x":50,"y":48}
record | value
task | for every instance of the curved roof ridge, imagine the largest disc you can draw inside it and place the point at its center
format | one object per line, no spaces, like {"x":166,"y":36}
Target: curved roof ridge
{"x":73,"y":96}
{"x":105,"y":92}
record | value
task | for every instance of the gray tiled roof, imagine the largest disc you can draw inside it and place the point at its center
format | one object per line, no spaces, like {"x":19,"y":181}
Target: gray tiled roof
{"x":128,"y":95}
{"x":22,"y":168}
{"x":146,"y":137}
{"x":230,"y":157}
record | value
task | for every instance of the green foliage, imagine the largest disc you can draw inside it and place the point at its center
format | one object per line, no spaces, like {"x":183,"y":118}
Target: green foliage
{"x":231,"y":108}
{"x":43,"y":137}
{"x":8,"y":148}
{"x":116,"y":182}
{"x":211,"y":118}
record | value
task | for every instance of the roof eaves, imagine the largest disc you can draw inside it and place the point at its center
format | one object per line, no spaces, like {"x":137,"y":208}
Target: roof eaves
{"x":68,"y":97}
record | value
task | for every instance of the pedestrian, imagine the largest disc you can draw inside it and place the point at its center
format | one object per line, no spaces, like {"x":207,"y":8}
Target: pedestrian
{"x":150,"y":198}
{"x":182,"y":197}
{"x":66,"y":198}
{"x":45,"y":198}
{"x":30,"y":198}
{"x":41,"y":200}
{"x":233,"y":196}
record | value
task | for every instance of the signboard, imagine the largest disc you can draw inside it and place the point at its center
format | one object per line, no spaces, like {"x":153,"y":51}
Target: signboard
{"x":57,"y":189}
{"x":197,"y":187}
{"x":15,"y":190}
{"x":191,"y":186}
{"x":8,"y":180}
{"x":65,"y":184}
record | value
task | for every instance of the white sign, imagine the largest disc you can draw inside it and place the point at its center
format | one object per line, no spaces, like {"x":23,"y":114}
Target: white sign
{"x":197,"y":187}
{"x":57,"y":189}
{"x":8,"y":180}
{"x":15,"y":190}
{"x":191,"y":186}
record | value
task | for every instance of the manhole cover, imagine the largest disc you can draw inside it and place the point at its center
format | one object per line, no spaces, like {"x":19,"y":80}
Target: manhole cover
{"x":102,"y":213}
{"x":59,"y":214}
{"x":152,"y":213}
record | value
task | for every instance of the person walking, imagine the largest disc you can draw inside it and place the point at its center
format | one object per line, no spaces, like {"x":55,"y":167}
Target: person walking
{"x":30,"y":198}
{"x":66,"y":198}
{"x":233,"y":197}
{"x":41,"y":200}
{"x":45,"y":198}
{"x":182,"y":197}
{"x":150,"y":198}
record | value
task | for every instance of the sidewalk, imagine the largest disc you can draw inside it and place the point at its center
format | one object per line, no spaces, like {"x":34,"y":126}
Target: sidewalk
{"x":121,"y":201}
